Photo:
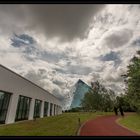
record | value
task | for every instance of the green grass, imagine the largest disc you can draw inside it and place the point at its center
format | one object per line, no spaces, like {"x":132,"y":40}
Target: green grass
{"x":132,"y":122}
{"x":65,"y":124}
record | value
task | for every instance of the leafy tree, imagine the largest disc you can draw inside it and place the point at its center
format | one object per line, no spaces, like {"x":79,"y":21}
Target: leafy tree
{"x":91,"y":101}
{"x":107,"y":102}
{"x":76,"y":109}
{"x":132,"y":79}
{"x":98,"y":99}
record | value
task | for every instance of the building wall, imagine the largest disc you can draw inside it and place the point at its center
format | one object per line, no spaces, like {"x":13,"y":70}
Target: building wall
{"x":17,"y":85}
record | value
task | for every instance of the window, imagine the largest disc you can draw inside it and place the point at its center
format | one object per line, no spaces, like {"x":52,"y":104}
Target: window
{"x":37,"y":108}
{"x":51,"y":107}
{"x":4,"y":103}
{"x":54,"y":109}
{"x":57,"y":110}
{"x":46,"y":108}
{"x":23,"y":108}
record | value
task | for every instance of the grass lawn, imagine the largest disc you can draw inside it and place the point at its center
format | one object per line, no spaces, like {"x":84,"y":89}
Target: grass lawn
{"x":132,"y":122}
{"x":65,"y":124}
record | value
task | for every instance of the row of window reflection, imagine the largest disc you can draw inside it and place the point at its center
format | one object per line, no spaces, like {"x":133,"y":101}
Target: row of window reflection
{"x":23,"y":107}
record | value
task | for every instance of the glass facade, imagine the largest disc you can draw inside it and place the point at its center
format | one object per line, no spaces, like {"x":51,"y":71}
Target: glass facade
{"x":81,"y":89}
{"x":23,"y":108}
{"x":4,"y":103}
{"x":46,"y":108}
{"x":37,"y":108}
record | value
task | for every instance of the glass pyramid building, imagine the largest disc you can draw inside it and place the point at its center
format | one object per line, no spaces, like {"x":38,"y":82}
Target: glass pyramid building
{"x":81,"y":89}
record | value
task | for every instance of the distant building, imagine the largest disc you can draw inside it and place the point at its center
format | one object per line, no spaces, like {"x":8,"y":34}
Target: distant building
{"x":81,"y":89}
{"x":21,"y":99}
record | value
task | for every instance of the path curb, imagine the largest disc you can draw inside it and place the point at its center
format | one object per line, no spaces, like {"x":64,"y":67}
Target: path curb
{"x":117,"y":122}
{"x":78,"y":133}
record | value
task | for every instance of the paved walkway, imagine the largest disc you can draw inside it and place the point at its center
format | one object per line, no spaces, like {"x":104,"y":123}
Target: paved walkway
{"x":104,"y":126}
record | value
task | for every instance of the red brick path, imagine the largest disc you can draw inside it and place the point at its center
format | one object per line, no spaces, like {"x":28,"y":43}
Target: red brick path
{"x":104,"y":126}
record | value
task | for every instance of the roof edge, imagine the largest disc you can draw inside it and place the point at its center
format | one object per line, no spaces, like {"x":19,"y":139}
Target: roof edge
{"x":27,"y":80}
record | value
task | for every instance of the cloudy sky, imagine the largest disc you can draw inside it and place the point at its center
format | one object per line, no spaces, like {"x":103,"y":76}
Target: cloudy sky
{"x":55,"y":45}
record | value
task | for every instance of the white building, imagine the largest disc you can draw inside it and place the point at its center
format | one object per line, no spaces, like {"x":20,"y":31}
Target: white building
{"x":20,"y":99}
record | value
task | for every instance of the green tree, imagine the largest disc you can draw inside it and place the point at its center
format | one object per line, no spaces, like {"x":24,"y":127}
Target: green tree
{"x":91,"y":101}
{"x":99,"y":99}
{"x":132,"y":79}
{"x":122,"y":100}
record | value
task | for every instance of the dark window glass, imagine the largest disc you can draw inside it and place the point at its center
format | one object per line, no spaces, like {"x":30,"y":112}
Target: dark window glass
{"x":27,"y":111}
{"x":23,"y":108}
{"x":54,"y":109}
{"x":37,"y":108}
{"x":51,"y":107}
{"x":46,"y":108}
{"x":57,"y":110}
{"x":4,"y":102}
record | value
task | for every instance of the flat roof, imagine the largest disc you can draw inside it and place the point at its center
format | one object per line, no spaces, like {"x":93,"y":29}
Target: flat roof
{"x":27,"y":80}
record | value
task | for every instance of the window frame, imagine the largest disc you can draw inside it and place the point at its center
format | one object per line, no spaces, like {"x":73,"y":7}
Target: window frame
{"x":39,"y":113}
{"x":23,"y":108}
{"x":46,"y":109}
{"x":2,"y":107}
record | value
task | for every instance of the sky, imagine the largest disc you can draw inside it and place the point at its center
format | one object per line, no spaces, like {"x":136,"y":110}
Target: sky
{"x":54,"y":45}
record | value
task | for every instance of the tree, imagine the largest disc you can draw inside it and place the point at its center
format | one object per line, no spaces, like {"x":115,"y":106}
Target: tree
{"x":108,"y":100}
{"x":90,"y":101}
{"x":132,"y":79}
{"x":123,"y":101}
{"x":99,"y":99}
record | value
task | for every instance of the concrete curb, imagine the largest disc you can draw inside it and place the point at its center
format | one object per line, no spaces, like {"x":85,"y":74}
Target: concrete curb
{"x":117,"y":122}
{"x":78,"y":133}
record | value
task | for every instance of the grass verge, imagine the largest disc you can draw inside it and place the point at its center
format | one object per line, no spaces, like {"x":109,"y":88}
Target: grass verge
{"x":132,"y":122}
{"x":65,"y":124}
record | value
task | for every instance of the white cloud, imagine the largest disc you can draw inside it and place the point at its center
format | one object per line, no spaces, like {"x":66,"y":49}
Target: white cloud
{"x":57,"y":65}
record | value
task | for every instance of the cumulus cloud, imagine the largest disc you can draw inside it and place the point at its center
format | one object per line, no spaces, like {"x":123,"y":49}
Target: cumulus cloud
{"x":59,"y":20}
{"x":66,"y":21}
{"x":76,"y":69}
{"x":110,"y":56}
{"x":23,"y":39}
{"x":136,"y":42}
{"x":117,"y":38}
{"x":31,"y":46}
